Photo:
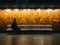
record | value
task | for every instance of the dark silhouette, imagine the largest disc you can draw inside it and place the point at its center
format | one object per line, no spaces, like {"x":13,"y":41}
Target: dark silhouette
{"x":15,"y":26}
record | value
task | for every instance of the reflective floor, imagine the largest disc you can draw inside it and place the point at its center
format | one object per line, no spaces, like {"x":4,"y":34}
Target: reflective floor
{"x":53,"y":39}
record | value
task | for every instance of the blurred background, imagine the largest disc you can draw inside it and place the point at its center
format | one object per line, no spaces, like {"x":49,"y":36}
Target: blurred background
{"x":30,"y":16}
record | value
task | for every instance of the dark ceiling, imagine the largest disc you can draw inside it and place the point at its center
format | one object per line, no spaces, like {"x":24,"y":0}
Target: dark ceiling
{"x":29,"y":1}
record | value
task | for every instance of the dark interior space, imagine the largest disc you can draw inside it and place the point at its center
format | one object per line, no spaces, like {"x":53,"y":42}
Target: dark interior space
{"x":30,"y":1}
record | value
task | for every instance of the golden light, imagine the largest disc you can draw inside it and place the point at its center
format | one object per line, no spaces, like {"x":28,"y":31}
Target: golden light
{"x":32,"y":15}
{"x":38,"y":10}
{"x":29,"y":10}
{"x":16,"y":9}
{"x":8,"y":10}
{"x":56,"y":10}
{"x":24,"y":10}
{"x":49,"y":10}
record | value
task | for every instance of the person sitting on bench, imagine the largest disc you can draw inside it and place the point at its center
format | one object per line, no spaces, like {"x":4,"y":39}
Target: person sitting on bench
{"x":15,"y":26}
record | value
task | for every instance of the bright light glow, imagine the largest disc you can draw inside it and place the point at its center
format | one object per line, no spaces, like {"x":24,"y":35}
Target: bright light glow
{"x":8,"y":10}
{"x":29,"y":10}
{"x":24,"y":9}
{"x":38,"y":10}
{"x":16,"y":9}
{"x":23,"y":16}
{"x":49,"y":10}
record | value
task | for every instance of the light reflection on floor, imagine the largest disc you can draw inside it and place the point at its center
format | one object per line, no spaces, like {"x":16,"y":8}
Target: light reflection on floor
{"x":30,"y":39}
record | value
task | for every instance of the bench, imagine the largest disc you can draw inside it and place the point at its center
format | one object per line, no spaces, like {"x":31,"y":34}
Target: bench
{"x":32,"y":27}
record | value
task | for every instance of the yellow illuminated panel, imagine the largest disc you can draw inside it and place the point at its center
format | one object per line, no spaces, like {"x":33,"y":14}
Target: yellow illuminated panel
{"x":30,"y":16}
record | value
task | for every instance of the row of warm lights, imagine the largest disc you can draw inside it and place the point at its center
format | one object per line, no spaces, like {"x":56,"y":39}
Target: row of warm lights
{"x":32,"y":17}
{"x":38,"y":10}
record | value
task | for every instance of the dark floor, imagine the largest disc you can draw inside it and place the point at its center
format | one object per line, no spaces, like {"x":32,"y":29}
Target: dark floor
{"x":53,"y":39}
